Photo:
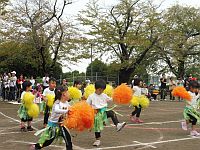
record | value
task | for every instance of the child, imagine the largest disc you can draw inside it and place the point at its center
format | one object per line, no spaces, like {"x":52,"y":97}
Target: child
{"x":190,"y":113}
{"x":22,"y":112}
{"x":38,"y":97}
{"x":99,"y":101}
{"x":54,"y":128}
{"x":145,"y":91}
{"x":137,"y":92}
{"x":78,"y":85}
{"x":50,"y":90}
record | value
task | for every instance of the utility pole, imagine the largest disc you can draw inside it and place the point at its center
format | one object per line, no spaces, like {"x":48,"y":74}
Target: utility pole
{"x":91,"y":64}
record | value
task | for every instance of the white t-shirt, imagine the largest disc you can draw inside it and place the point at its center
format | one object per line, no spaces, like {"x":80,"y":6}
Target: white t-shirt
{"x":144,"y":91}
{"x":194,"y":103}
{"x":137,"y":91}
{"x":13,"y":81}
{"x":32,"y":82}
{"x":48,"y":91}
{"x":98,"y":101}
{"x":45,"y":81}
{"x":58,"y":109}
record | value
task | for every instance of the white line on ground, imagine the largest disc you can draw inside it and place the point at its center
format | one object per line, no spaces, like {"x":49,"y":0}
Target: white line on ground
{"x":77,"y":147}
{"x":146,"y":145}
{"x":14,"y":119}
{"x":149,"y":123}
{"x":57,"y":146}
{"x":151,"y":143}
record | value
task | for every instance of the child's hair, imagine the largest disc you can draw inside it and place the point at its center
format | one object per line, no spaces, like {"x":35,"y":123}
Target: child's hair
{"x":77,"y":82}
{"x":137,"y":81}
{"x":26,"y":84}
{"x":193,"y":84}
{"x":58,"y":92}
{"x":100,"y":84}
{"x":52,"y":79}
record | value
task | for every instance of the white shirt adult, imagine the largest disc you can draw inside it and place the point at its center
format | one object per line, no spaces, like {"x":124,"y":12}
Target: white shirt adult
{"x":13,"y":81}
{"x":32,"y":81}
{"x":98,"y":101}
{"x":45,"y":81}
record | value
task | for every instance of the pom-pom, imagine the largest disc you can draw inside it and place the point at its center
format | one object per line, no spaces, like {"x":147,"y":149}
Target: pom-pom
{"x":80,"y":117}
{"x":143,"y":101}
{"x":50,"y":100}
{"x":28,"y":99}
{"x":33,"y":111}
{"x":74,"y":93}
{"x":89,"y":90}
{"x":122,"y":94}
{"x":181,"y":92}
{"x":135,"y":101}
{"x":108,"y":90}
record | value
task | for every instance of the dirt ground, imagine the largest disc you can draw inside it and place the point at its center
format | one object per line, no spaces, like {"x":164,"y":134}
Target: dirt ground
{"x":161,"y":130}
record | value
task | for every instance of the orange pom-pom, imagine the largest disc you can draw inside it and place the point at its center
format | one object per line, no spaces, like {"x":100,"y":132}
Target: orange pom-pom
{"x":181,"y":92}
{"x":80,"y":117}
{"x":122,"y":94}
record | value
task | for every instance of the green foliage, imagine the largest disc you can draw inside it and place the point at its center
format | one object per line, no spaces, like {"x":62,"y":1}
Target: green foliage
{"x":98,"y":67}
{"x":24,"y":59}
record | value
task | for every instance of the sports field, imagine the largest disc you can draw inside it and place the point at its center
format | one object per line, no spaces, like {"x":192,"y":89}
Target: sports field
{"x":161,"y":130}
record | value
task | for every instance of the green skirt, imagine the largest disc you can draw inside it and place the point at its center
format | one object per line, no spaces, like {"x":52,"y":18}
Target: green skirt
{"x":192,"y":112}
{"x":100,"y":119}
{"x":50,"y":132}
{"x":22,"y":112}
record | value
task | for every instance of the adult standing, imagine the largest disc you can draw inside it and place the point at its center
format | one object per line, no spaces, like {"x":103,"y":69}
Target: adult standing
{"x":20,"y":81}
{"x":172,"y":84}
{"x":32,"y":80}
{"x":163,"y":86}
{"x":5,"y":86}
{"x":45,"y":81}
{"x":12,"y":85}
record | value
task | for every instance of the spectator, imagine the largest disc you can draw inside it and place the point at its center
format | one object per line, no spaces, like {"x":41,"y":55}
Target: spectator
{"x":172,"y":84}
{"x":32,"y":80}
{"x":64,"y":83}
{"x":163,"y":87}
{"x":20,"y":81}
{"x":12,"y":85}
{"x":45,"y":81}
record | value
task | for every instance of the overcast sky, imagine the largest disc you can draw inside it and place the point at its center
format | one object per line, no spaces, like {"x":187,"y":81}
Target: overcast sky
{"x":78,"y":5}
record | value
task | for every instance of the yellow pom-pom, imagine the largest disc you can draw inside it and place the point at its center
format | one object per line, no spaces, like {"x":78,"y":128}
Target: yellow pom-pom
{"x":108,"y":90}
{"x":28,"y":99}
{"x":33,"y":110}
{"x":50,"y":100}
{"x":74,"y":93}
{"x":89,"y":90}
{"x":144,"y":101}
{"x":135,"y":101}
{"x":122,"y":94}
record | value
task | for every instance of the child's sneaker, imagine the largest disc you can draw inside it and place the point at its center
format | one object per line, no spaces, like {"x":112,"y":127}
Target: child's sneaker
{"x":97,"y":143}
{"x":29,"y":128}
{"x":23,"y":129}
{"x":32,"y":147}
{"x":133,"y":119}
{"x":139,"y":120}
{"x":184,"y":126}
{"x":120,"y":126}
{"x":194,"y":133}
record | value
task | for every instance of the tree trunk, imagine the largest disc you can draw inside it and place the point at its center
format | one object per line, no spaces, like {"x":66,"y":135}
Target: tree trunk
{"x":181,"y":69}
{"x":124,"y":75}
